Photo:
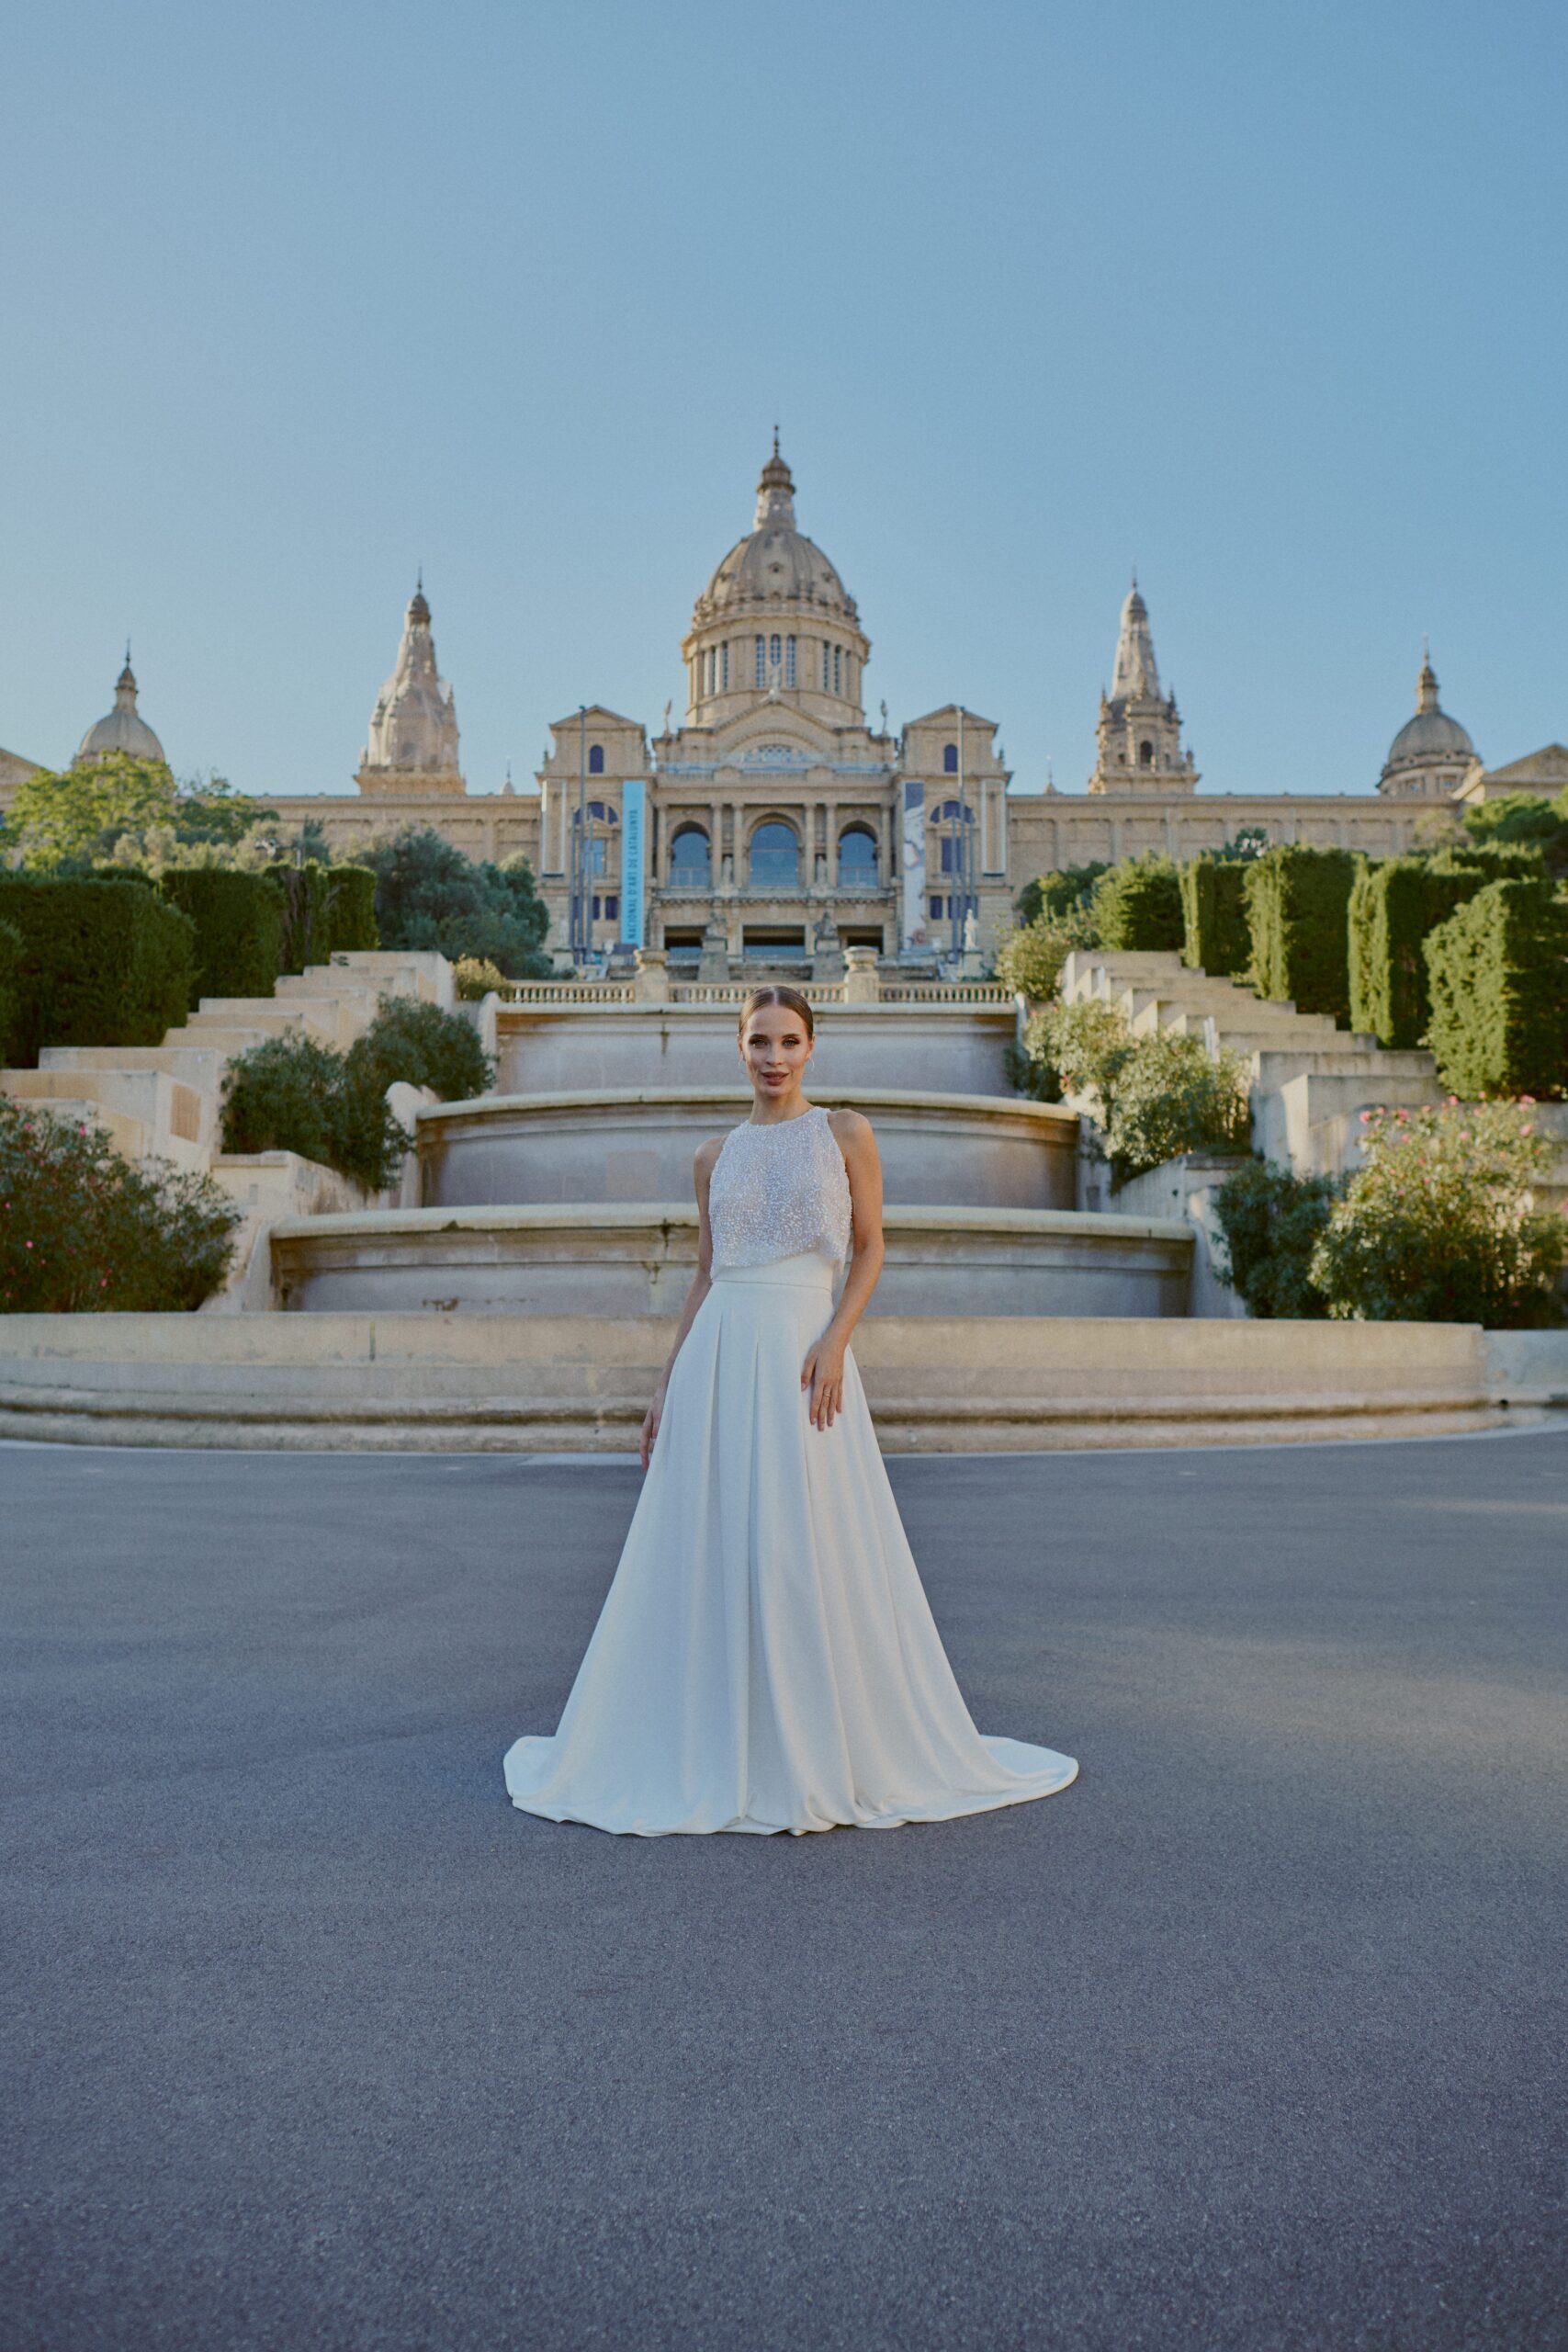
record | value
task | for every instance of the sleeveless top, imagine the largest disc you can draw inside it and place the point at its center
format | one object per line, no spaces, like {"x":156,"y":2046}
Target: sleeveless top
{"x":779,"y":1191}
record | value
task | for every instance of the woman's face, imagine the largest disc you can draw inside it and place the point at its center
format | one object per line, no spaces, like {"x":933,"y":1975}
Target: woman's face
{"x":775,"y":1051}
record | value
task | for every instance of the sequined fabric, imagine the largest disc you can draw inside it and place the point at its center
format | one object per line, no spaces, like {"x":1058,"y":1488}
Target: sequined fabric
{"x":778,"y":1192}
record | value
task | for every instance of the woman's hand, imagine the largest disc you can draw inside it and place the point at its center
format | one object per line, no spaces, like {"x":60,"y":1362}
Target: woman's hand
{"x":823,"y":1373}
{"x":651,"y":1419}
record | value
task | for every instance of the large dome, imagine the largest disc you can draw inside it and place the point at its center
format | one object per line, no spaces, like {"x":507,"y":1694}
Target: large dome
{"x":122,"y":729}
{"x":775,"y":564}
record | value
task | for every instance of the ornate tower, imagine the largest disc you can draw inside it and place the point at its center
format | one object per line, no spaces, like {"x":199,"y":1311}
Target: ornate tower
{"x":1140,"y":729}
{"x":1431,"y":755}
{"x":413,"y":745}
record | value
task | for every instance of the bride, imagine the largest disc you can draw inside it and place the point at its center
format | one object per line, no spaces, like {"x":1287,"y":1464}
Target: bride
{"x":765,"y":1658}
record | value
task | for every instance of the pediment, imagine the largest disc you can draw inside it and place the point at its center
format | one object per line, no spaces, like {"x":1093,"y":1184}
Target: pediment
{"x":1542,"y":771}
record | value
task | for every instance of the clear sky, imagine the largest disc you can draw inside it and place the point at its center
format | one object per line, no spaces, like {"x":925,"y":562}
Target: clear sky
{"x":1268,"y":299}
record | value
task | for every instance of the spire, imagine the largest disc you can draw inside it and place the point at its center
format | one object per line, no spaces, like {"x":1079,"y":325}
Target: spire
{"x":418,"y":611}
{"x":1135,"y":672}
{"x":1426,"y":683}
{"x":776,"y":493}
{"x":125,"y":685}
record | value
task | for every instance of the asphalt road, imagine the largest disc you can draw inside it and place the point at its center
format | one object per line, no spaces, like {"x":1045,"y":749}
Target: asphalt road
{"x":1254,"y":2038}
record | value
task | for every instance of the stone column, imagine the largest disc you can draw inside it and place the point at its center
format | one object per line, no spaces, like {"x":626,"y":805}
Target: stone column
{"x":862,"y":982}
{"x":652,"y":983}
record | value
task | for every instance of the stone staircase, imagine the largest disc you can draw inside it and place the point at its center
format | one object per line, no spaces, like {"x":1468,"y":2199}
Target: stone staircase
{"x":1309,"y":1079}
{"x":164,"y":1101}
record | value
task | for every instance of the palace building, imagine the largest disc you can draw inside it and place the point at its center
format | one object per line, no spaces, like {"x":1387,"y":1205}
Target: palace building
{"x":776,"y":826}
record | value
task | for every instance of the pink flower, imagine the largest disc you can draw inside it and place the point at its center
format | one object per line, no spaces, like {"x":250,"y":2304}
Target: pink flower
{"x":1365,"y":1116}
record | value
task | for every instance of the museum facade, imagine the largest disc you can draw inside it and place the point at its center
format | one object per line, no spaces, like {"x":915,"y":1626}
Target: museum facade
{"x":775,"y":826}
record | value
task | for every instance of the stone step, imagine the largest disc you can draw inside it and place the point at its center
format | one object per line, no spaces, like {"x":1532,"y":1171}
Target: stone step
{"x":130,"y":1136}
{"x":177,"y":1116}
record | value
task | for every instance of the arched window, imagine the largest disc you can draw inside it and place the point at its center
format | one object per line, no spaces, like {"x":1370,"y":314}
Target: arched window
{"x":789,"y":662}
{"x":774,"y":654}
{"x":775,"y":856}
{"x":953,"y":824}
{"x":857,"y":858}
{"x":691,"y":860}
{"x":1145,"y":755}
{"x":599,"y":848}
{"x":761,"y":661}
{"x":950,"y":759}
{"x":596,"y":759}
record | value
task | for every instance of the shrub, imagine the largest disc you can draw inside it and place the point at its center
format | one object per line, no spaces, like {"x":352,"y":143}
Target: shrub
{"x":1030,"y":959}
{"x":1167,"y":1097}
{"x":1393,"y":905}
{"x":1271,"y":1222}
{"x":475,"y":977}
{"x":1065,"y":890}
{"x":1081,"y":1048}
{"x":352,"y":908}
{"x":291,"y":1095}
{"x":10,"y":987}
{"x":101,"y":964}
{"x":82,"y":1230}
{"x":425,"y":1047}
{"x":1297,"y":903}
{"x":239,"y":929}
{"x":1498,"y":972}
{"x":1438,"y":1226}
{"x":1214,"y":934}
{"x":1138,"y":904}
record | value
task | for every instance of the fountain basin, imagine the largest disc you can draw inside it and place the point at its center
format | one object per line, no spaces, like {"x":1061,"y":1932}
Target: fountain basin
{"x":542,"y":1049}
{"x":637,"y":1145}
{"x":637,"y":1258}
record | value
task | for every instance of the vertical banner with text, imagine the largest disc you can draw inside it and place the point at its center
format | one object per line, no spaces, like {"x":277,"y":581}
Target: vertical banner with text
{"x":631,"y":862}
{"x":912,"y":929}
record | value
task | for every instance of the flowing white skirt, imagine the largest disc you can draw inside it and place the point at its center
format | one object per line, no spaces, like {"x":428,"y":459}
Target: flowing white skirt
{"x":765,"y":1658}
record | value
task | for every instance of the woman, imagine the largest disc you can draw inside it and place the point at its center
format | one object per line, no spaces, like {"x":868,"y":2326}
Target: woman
{"x":765,"y":1658}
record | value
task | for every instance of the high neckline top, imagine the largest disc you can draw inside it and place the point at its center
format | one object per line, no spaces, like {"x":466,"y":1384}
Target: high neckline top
{"x":779,"y":1189}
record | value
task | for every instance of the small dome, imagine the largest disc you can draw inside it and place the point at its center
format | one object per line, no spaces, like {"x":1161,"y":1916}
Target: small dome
{"x":122,"y":731}
{"x":775,"y":563}
{"x":1430,"y":735}
{"x":1429,"y":740}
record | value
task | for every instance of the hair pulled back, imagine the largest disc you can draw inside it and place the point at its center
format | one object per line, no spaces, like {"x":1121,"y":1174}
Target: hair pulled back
{"x":791,"y":999}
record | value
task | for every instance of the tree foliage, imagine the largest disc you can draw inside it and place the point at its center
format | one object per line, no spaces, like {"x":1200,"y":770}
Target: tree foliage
{"x":429,"y":895}
{"x":1137,"y":904}
{"x":69,"y":819}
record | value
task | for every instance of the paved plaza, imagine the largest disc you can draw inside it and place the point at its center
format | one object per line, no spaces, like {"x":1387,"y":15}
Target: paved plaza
{"x":1252,"y":2038}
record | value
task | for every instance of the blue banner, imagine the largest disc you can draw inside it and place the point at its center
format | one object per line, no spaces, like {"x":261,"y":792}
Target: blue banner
{"x":631,"y":862}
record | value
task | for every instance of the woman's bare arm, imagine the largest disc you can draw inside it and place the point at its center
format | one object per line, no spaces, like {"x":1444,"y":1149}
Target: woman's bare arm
{"x":823,"y":1371}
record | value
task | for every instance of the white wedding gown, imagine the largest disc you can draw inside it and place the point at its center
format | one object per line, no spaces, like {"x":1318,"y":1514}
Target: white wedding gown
{"x":765,"y":1658}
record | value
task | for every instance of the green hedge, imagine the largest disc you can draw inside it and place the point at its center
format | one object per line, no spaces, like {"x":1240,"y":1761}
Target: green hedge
{"x":424,"y":1046}
{"x":10,"y":987}
{"x":1272,"y":1221}
{"x":1215,"y":937}
{"x":306,"y":914}
{"x":1297,"y":907}
{"x":353,"y":891}
{"x":100,"y":963}
{"x":1499,"y":974}
{"x":239,"y":929}
{"x":1395,"y":903}
{"x":1138,"y":904}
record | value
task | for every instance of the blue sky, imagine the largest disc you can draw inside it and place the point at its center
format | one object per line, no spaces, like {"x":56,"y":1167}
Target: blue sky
{"x":1269,"y":300}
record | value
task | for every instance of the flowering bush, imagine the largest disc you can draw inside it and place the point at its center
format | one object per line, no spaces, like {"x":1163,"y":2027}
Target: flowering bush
{"x":1439,"y":1225}
{"x":1076,"y":1050}
{"x":82,"y":1230}
{"x":475,"y":975}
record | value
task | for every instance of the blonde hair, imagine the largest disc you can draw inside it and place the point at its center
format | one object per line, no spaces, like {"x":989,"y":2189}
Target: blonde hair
{"x":791,"y":998}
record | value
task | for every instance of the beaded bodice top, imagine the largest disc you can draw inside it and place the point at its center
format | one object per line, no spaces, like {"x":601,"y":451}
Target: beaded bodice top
{"x":779,"y":1191}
